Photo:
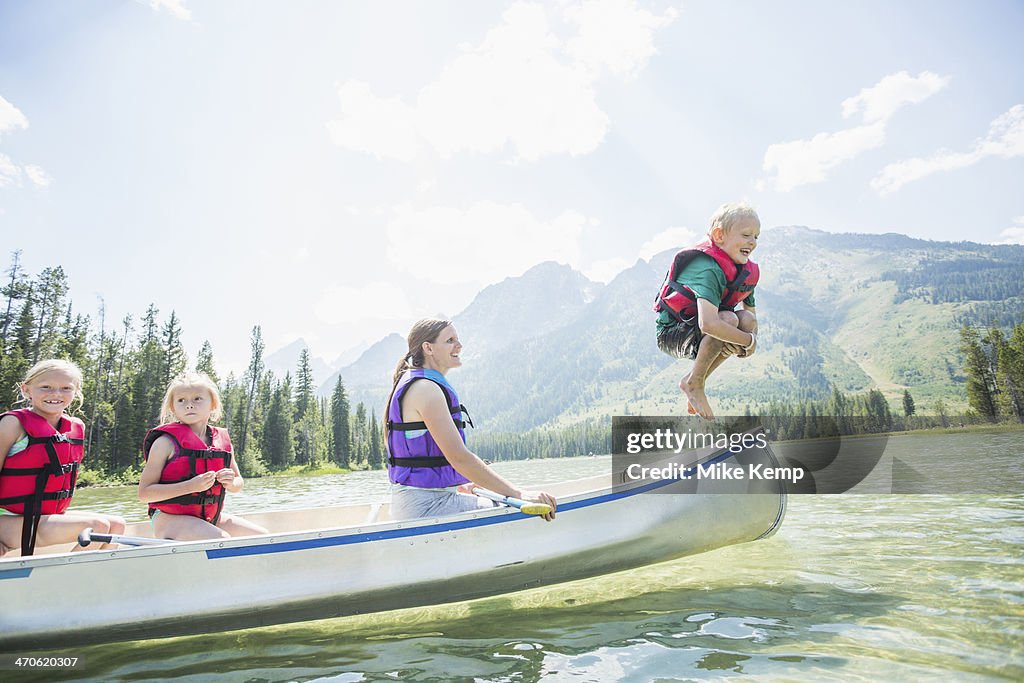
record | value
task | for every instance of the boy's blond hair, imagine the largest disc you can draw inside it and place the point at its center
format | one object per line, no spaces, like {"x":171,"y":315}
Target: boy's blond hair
{"x":49,"y":365}
{"x":187,"y":380}
{"x":729,"y":215}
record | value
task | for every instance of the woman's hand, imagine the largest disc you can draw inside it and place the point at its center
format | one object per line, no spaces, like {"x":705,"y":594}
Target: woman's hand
{"x":540,"y":497}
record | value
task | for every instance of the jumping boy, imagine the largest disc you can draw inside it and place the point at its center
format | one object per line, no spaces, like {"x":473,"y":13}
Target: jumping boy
{"x":695,"y":305}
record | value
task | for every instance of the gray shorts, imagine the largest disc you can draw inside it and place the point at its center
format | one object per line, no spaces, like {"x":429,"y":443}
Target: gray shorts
{"x":409,"y":502}
{"x":681,"y":340}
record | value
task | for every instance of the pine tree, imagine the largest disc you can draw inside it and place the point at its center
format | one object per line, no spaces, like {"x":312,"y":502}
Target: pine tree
{"x":980,"y":376}
{"x":204,"y":362}
{"x":341,"y":446}
{"x":24,"y":327}
{"x":1013,"y":367}
{"x":52,"y":287}
{"x":16,"y":289}
{"x":360,"y":435}
{"x":1009,"y":389}
{"x":303,"y":385}
{"x":253,"y":374}
{"x":375,"y":455}
{"x":278,"y":439}
{"x":908,"y":403}
{"x":148,"y":385}
{"x":175,"y":359}
{"x":123,"y":404}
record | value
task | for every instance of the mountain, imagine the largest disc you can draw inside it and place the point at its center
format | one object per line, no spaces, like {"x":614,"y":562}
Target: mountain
{"x":368,"y":379}
{"x":541,"y":300}
{"x":286,"y":360}
{"x":856,"y":311}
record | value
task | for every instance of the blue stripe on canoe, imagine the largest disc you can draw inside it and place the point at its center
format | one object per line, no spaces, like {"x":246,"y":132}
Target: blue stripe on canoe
{"x":307,"y":544}
{"x":16,"y":573}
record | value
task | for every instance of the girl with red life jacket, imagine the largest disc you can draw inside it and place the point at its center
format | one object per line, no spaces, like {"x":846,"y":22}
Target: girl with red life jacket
{"x":41,"y":447}
{"x":190,"y":467}
{"x":695,"y":304}
{"x":431,"y":470}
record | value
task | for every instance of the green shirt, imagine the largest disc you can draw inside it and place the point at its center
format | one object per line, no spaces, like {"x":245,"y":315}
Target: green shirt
{"x":705,"y":278}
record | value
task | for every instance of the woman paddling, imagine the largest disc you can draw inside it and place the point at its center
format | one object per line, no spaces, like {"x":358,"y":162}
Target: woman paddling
{"x":425,"y":431}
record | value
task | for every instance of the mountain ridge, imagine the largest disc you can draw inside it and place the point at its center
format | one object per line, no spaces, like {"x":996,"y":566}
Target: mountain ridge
{"x":552,"y":347}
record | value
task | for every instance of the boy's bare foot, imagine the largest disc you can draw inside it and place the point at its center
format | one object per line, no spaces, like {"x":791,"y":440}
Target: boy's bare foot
{"x":689,"y":406}
{"x":695,"y":397}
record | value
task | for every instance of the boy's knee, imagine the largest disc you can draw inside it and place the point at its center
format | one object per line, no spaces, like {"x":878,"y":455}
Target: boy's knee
{"x":747,"y":322}
{"x":729,"y":317}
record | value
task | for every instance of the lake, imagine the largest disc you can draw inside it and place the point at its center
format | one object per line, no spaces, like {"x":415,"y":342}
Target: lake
{"x":852,"y":586}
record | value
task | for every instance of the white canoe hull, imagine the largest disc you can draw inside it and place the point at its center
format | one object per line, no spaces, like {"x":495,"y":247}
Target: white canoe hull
{"x":159,"y":591}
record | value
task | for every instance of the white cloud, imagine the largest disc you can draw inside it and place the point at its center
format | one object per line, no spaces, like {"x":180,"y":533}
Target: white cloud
{"x":614,"y":34}
{"x":176,"y":8}
{"x":10,"y":117}
{"x":10,"y":174}
{"x":38,"y":175}
{"x":802,"y":162}
{"x":373,"y":301}
{"x":529,"y":85}
{"x":1014,"y":235}
{"x":482,"y":244}
{"x":807,"y":161}
{"x":1005,"y":139}
{"x":671,"y":238}
{"x":882,"y":100}
{"x":380,"y":126}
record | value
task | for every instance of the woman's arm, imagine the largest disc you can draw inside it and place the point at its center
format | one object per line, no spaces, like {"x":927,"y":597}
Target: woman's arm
{"x":425,"y":401}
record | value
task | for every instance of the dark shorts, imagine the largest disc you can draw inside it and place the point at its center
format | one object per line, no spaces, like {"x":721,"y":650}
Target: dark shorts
{"x":681,"y":340}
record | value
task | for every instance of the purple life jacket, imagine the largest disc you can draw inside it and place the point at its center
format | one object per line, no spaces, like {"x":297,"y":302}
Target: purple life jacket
{"x":418,"y":461}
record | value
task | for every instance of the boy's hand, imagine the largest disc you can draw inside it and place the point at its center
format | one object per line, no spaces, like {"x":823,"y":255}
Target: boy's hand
{"x":739,"y":350}
{"x":731,"y":350}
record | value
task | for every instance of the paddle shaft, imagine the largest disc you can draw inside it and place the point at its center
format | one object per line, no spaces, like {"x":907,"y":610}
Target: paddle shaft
{"x":89,"y":536}
{"x":525,"y":506}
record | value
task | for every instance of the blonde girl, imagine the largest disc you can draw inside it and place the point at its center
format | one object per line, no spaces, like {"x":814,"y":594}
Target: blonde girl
{"x":190,"y":466}
{"x":41,"y":447}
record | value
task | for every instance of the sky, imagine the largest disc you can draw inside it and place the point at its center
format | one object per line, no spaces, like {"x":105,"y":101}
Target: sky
{"x":336,"y":170}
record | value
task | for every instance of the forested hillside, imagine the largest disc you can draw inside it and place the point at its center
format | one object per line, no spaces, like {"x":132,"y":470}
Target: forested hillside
{"x":550,"y":356}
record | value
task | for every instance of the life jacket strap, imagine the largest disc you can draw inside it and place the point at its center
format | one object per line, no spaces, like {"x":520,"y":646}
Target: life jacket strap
{"x":55,"y":438}
{"x":414,"y":426}
{"x":424,"y":461}
{"x":203,"y":498}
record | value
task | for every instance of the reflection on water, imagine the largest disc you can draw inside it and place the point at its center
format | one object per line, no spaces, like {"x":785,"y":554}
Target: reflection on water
{"x":852,"y":586}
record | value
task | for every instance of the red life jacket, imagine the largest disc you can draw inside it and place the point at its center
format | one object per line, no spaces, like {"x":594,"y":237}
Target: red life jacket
{"x":681,"y":302}
{"x":191,"y":457}
{"x":40,"y":480}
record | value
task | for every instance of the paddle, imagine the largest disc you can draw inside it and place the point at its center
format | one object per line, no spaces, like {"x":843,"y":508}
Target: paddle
{"x":524,"y":506}
{"x":88,"y":536}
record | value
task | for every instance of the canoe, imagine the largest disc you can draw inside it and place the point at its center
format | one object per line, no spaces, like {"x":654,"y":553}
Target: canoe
{"x":345,"y":560}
